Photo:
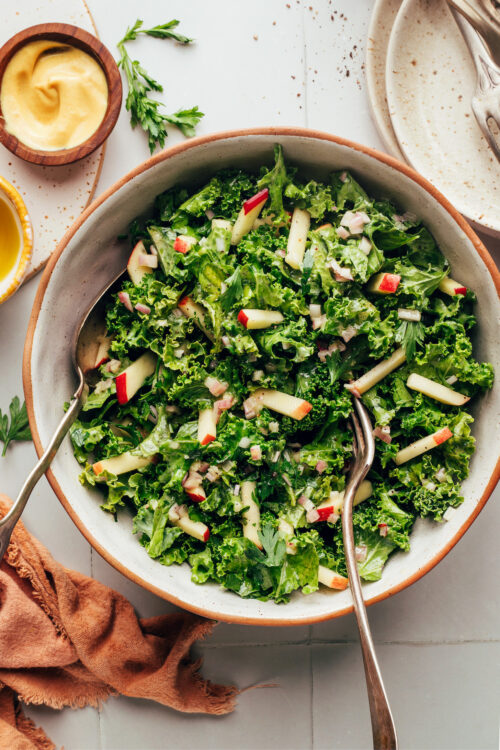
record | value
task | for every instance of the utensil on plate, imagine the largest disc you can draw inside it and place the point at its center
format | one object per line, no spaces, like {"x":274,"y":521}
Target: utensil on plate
{"x":482,"y":15}
{"x":383,"y":729}
{"x":486,"y":99}
{"x":83,"y":354}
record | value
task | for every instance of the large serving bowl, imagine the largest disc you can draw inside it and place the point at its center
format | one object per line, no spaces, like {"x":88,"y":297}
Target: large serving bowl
{"x":90,"y":255}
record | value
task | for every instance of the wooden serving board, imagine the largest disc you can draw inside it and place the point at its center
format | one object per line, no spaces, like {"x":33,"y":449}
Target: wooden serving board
{"x":54,"y":196}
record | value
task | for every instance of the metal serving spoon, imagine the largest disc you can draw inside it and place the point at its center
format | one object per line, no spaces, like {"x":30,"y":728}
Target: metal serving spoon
{"x":383,"y":729}
{"x":83,"y":354}
{"x":484,"y":17}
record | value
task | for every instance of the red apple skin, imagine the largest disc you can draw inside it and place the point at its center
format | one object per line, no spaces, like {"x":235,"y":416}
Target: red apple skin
{"x":206,"y":535}
{"x":255,"y":200}
{"x":442,"y":435}
{"x":196,"y":495}
{"x":325,"y":513}
{"x":390,"y":282}
{"x":461,"y":290}
{"x":207,"y":439}
{"x":184,"y":301}
{"x":180,"y":246}
{"x":101,"y":362}
{"x":243,"y":318}
{"x":302,"y":410}
{"x":121,"y":388}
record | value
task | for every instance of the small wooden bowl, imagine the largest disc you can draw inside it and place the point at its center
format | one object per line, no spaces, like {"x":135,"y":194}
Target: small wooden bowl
{"x":75,"y":37}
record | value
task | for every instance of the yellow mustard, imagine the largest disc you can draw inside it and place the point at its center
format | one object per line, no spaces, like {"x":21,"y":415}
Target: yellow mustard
{"x":53,"y":96}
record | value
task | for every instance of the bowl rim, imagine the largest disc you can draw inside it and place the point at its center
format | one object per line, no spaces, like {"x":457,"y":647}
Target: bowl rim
{"x":89,"y":43}
{"x":277,"y":132}
{"x":15,"y":200}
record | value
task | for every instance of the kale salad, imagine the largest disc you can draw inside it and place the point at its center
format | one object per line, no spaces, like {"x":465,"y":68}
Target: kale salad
{"x":257,"y":308}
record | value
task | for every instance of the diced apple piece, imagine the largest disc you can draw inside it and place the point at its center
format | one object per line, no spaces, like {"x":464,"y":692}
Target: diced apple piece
{"x":178,"y":516}
{"x":131,"y":379}
{"x":254,"y":319}
{"x":451,"y":287}
{"x":207,"y":428}
{"x":192,"y":309}
{"x":384,"y":283}
{"x":296,"y":247}
{"x":335,"y":503}
{"x":183,"y":243}
{"x":435,"y":390}
{"x":422,"y":446}
{"x":197,"y":494}
{"x":251,"y":513}
{"x":121,"y":464}
{"x":377,"y":373}
{"x":135,"y":270}
{"x":222,"y":224}
{"x":250,"y":211}
{"x":102,"y":355}
{"x":285,"y":528}
{"x":283,"y":403}
{"x":331,"y":579}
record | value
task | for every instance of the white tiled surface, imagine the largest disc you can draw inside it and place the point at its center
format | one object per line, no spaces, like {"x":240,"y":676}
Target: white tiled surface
{"x":439,"y":640}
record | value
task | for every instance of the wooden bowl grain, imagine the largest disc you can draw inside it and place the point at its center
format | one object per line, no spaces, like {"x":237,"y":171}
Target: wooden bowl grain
{"x":76,"y":37}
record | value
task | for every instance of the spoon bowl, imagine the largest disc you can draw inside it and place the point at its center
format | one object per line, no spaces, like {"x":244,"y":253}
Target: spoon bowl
{"x":83,"y":355}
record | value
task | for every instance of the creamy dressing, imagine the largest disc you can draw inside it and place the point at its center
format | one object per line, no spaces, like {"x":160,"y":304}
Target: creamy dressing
{"x":53,"y":96}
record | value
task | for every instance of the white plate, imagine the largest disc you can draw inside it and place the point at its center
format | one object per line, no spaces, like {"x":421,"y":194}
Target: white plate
{"x":382,"y":20}
{"x":54,"y":196}
{"x":430,"y":80}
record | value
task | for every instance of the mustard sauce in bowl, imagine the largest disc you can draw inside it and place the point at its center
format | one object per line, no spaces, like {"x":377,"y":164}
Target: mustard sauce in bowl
{"x":53,"y":95}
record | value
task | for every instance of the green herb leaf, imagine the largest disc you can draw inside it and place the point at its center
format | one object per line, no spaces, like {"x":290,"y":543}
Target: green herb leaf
{"x":143,"y":110}
{"x":18,"y":429}
{"x":274,"y":546}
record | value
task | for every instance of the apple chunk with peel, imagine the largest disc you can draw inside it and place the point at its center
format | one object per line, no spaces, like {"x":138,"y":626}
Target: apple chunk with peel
{"x":178,"y":516}
{"x":251,"y":513}
{"x":423,"y":445}
{"x":435,"y":390}
{"x":135,"y":270}
{"x":102,"y":355}
{"x":283,"y":403}
{"x":121,"y":464}
{"x":254,"y":319}
{"x":384,"y":283}
{"x":377,"y":373}
{"x":331,"y":579}
{"x":335,"y":503}
{"x":132,"y":378}
{"x":448,"y":286}
{"x":296,"y":247}
{"x":183,"y":243}
{"x":250,"y":211}
{"x":192,"y":309}
{"x":207,"y":428}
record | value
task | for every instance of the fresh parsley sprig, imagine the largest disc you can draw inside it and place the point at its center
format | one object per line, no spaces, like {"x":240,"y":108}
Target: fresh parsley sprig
{"x":145,"y":111}
{"x":18,"y":429}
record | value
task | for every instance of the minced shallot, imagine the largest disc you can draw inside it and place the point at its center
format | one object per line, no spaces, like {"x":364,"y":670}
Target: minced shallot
{"x":124,"y":298}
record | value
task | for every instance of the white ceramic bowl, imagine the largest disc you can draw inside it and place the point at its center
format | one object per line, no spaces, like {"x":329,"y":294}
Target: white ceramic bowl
{"x":89,"y":255}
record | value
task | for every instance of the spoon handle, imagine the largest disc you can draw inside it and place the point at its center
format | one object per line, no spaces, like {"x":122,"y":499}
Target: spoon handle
{"x":8,"y":522}
{"x":383,"y":729}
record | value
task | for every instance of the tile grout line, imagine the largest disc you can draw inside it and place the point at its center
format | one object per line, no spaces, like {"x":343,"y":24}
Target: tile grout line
{"x":307,"y":642}
{"x":99,"y":725}
{"x":311,"y":688}
{"x":304,"y":52}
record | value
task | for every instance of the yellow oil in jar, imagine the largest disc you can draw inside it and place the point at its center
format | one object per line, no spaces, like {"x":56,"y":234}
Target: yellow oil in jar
{"x":10,"y":239}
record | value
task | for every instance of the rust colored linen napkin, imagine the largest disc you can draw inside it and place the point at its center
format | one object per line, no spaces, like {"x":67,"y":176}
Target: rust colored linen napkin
{"x":68,"y":640}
